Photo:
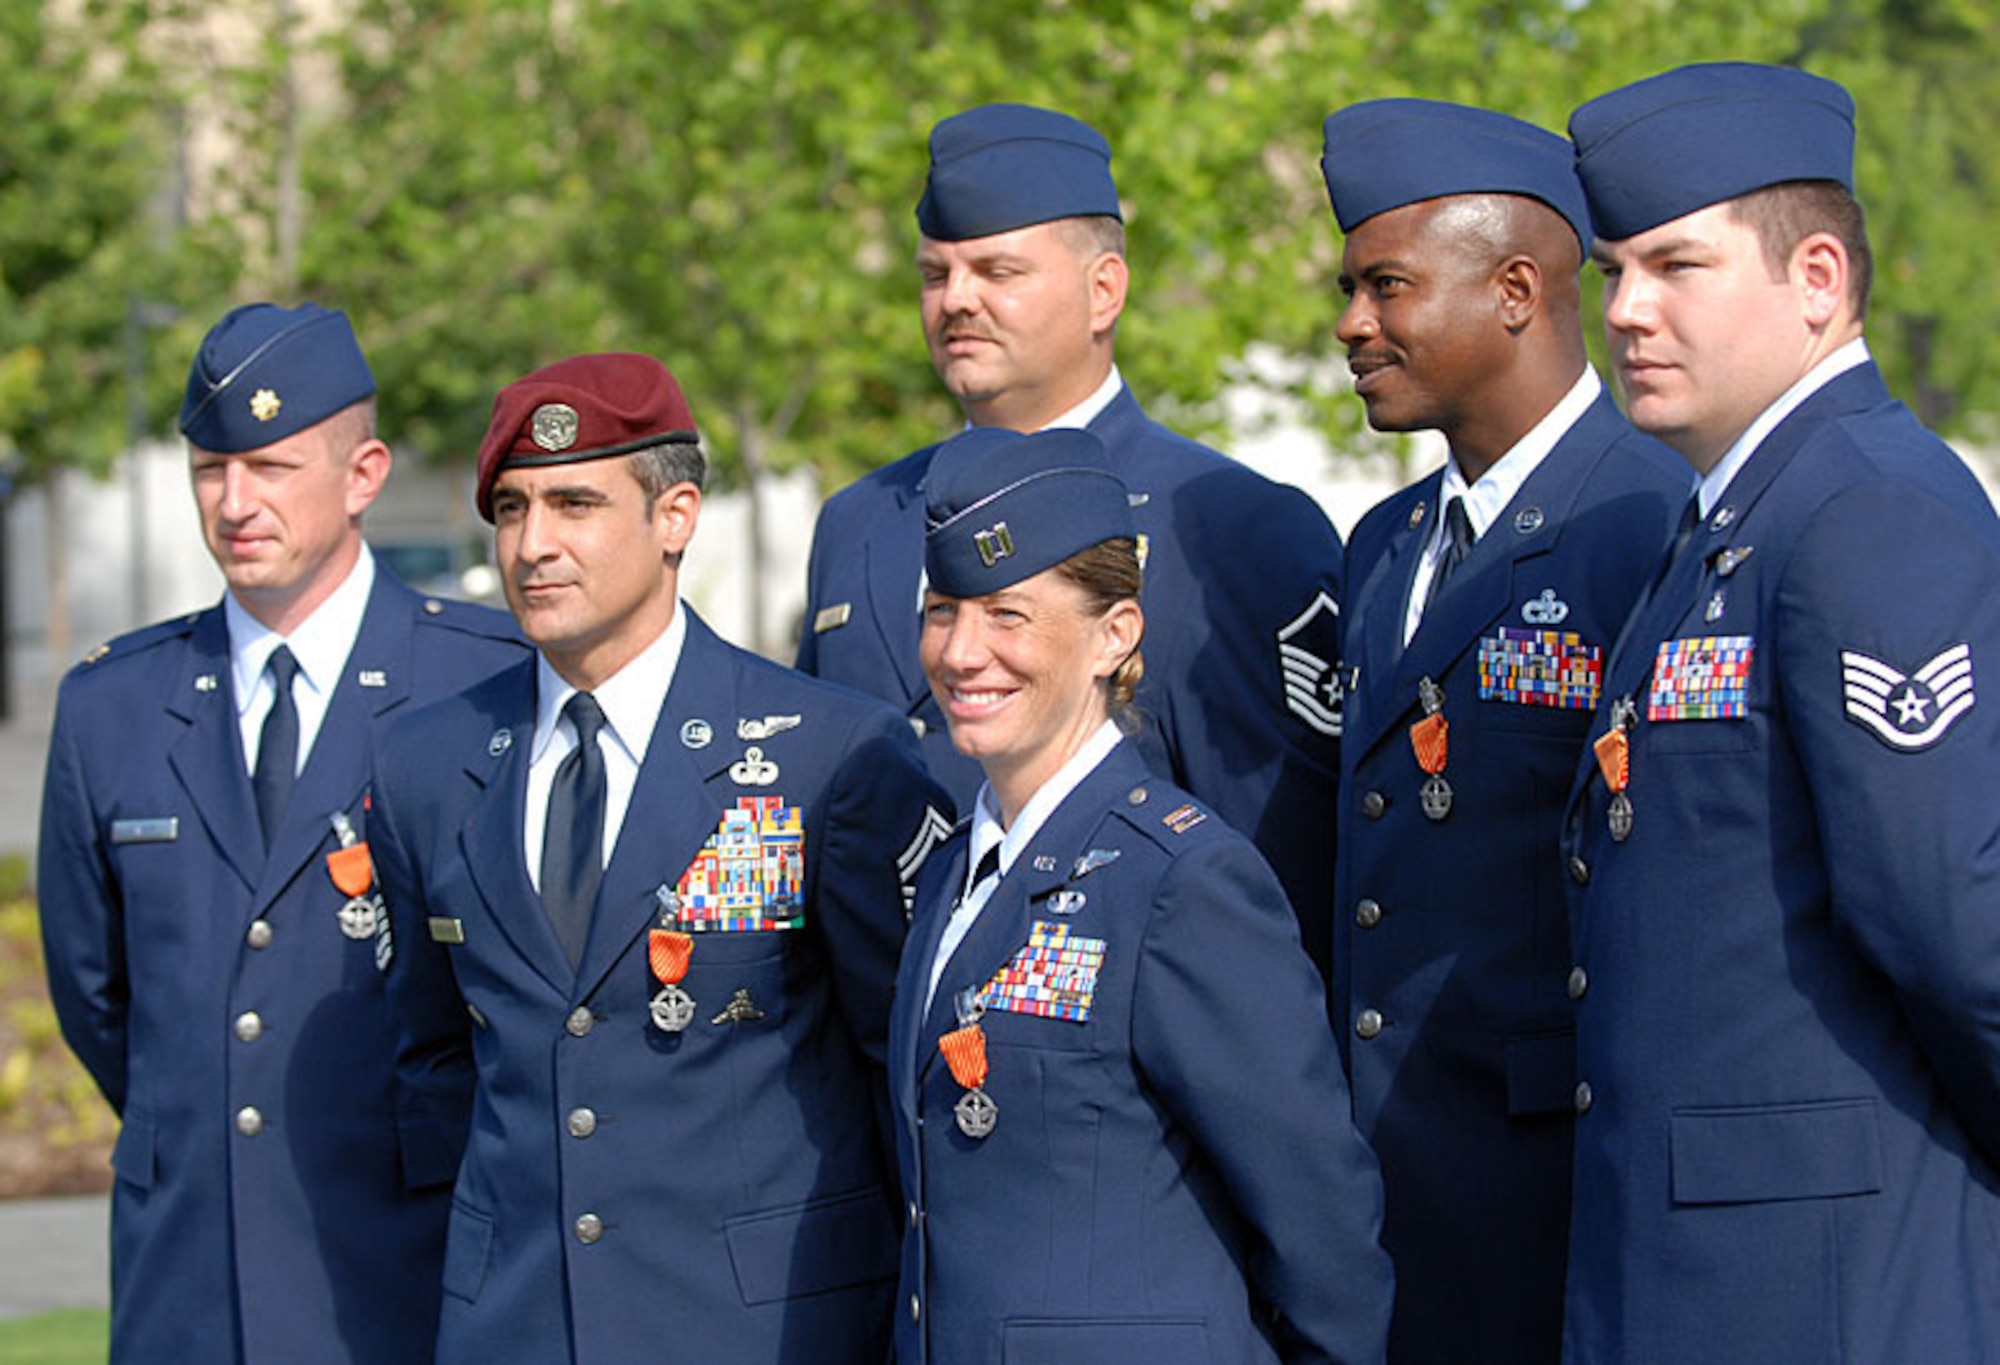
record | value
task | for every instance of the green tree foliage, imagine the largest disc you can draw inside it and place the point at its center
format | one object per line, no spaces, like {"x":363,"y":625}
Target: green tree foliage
{"x":729,"y":184}
{"x":731,"y":187}
{"x":87,"y":150}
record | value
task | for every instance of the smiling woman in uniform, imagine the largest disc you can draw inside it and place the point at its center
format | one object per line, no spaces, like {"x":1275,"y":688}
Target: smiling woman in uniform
{"x":1121,"y":1124}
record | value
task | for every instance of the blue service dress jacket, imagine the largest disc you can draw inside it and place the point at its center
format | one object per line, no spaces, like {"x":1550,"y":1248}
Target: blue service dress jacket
{"x":718,"y":1193}
{"x":1242,"y":587}
{"x":1788,"y":970}
{"x":1173,"y":1175}
{"x":269,"y":1205}
{"x":1452,"y":944}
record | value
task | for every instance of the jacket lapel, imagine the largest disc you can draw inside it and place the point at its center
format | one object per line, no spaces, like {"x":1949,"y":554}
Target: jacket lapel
{"x":337,"y":769}
{"x":1375,"y":631}
{"x":1044,"y":865}
{"x":677,"y":801}
{"x":497,"y":763}
{"x":208,"y":757}
{"x":1659,"y":614}
{"x":906,"y":1022}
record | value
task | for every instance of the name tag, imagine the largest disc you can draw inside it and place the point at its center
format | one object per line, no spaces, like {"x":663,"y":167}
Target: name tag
{"x":832,"y":618}
{"x":161,"y":829}
{"x":444,"y":929}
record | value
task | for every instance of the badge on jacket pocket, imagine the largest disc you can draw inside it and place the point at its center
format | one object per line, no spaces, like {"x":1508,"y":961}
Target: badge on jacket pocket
{"x":1701,"y":678}
{"x":1540,"y":668}
{"x":750,"y":875}
{"x":1053,"y":977}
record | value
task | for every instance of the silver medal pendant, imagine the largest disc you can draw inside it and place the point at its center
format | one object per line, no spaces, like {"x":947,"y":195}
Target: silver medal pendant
{"x":1436,"y":796}
{"x":976,"y":1112}
{"x":1621,"y":816}
{"x":672,"y":1009}
{"x":359,"y":916}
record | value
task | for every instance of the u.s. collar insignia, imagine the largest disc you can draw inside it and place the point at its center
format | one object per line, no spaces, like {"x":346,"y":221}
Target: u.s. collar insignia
{"x":1044,"y":863}
{"x":696,"y":734}
{"x":501,"y":741}
{"x":1091,"y":861}
{"x":1546,"y":610}
{"x":373,"y":677}
{"x":753,"y":769}
{"x":553,"y":427}
{"x":1925,"y":702}
{"x":207,"y":682}
{"x":264,"y":404}
{"x":747,"y":728}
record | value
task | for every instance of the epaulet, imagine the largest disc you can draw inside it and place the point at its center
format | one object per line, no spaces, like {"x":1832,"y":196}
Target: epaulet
{"x":467,"y":617}
{"x":142,"y":639}
{"x":1164,"y":814}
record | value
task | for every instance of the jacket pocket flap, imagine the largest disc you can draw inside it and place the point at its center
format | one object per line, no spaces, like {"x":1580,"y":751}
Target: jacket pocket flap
{"x":1157,"y":1341}
{"x":828,"y":1244}
{"x":1790,"y":1151}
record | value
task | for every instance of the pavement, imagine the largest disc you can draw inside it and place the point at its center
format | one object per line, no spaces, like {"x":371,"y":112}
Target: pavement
{"x":54,"y":1253}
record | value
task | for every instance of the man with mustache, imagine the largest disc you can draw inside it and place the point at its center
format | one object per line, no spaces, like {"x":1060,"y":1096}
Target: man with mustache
{"x":1482,"y":601}
{"x":648,"y":897}
{"x":1023,"y":280}
{"x":1785,"y":851}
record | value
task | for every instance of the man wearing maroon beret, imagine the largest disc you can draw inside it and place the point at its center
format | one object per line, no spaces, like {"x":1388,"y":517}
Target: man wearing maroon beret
{"x":647,"y":893}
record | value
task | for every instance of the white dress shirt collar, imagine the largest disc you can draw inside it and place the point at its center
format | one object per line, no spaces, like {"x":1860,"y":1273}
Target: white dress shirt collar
{"x":321,"y":644}
{"x":1716,"y":482}
{"x":987,"y":833}
{"x":1489,"y":496}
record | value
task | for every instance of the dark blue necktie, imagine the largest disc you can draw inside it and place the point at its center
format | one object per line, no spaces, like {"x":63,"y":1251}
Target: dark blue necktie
{"x":278,"y":748}
{"x":1457,"y":545}
{"x":573,"y":839}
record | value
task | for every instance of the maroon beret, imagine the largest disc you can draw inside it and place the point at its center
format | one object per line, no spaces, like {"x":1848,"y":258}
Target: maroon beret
{"x":588,"y":407}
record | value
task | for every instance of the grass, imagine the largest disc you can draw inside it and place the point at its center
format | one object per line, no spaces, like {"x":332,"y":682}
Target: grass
{"x":72,"y":1336}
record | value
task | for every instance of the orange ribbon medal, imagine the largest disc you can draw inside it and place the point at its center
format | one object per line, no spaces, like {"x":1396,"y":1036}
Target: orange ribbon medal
{"x":668,"y":952}
{"x":353,"y":874}
{"x":1614,"y":760}
{"x":1430,"y":740}
{"x":964,"y":1050}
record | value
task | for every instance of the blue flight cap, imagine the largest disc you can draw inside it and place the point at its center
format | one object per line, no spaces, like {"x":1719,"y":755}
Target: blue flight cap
{"x":1385,"y":154}
{"x":1661,"y":148}
{"x":265,"y":372}
{"x":1006,"y":166}
{"x":1000,"y":506}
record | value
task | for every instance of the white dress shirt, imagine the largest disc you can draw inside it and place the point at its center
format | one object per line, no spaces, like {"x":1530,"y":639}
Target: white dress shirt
{"x":988,"y":833}
{"x":1716,"y":482}
{"x":631,"y":700}
{"x":321,"y":645}
{"x":1488,"y":498}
